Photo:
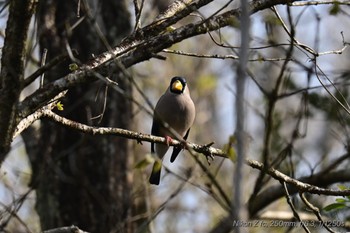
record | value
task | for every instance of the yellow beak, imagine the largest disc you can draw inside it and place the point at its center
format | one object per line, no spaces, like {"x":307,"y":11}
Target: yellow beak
{"x":177,"y":86}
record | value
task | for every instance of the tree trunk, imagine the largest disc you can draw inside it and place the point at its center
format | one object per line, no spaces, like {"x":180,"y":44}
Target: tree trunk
{"x":12,"y":69}
{"x":81,"y":179}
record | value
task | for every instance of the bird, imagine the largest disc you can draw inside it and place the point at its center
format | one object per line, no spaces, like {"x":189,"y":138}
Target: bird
{"x":175,"y":108}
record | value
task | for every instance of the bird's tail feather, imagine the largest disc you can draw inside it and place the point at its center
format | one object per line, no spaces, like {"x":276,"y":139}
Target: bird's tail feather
{"x":175,"y":153}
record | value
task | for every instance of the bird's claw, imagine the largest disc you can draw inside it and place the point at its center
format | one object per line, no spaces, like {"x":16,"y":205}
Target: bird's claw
{"x":139,"y":141}
{"x":168,"y":140}
{"x":210,"y":158}
{"x":183,"y":144}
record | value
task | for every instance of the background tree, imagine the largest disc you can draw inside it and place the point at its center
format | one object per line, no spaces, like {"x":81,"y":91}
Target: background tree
{"x":83,"y":173}
{"x":81,"y":161}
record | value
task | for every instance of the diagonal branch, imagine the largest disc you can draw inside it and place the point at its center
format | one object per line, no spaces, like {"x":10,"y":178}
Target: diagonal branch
{"x":140,"y":47}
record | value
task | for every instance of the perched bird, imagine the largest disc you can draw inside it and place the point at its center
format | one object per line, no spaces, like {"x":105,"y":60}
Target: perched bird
{"x":175,"y":108}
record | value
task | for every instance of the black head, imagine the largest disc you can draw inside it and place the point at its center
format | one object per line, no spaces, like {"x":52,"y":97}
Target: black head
{"x":177,"y":85}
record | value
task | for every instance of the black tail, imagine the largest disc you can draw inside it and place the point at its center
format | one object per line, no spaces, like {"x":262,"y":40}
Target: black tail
{"x":175,"y":153}
{"x":177,"y":150}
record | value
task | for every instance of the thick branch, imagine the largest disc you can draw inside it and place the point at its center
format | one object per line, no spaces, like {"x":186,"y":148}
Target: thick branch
{"x":12,"y":68}
{"x":134,"y":50}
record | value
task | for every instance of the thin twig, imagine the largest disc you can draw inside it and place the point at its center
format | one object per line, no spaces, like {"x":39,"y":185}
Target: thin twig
{"x":313,"y":3}
{"x":295,"y":213}
{"x":222,"y":57}
{"x":69,"y":229}
{"x":43,"y":61}
{"x":161,"y":207}
{"x":57,"y":60}
{"x":138,"y":11}
{"x":347,"y":107}
{"x":316,"y":211}
{"x":213,"y":181}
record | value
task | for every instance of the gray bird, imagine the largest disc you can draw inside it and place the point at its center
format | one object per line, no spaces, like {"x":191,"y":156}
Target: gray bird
{"x":175,"y":107}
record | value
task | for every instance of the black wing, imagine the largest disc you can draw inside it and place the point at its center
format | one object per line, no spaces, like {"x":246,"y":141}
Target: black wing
{"x":177,"y":149}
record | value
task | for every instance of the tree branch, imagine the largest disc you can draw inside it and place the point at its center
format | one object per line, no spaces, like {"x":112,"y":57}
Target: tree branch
{"x":316,"y":211}
{"x":140,"y":47}
{"x":311,"y":184}
{"x":70,"y":229}
{"x":292,"y":207}
{"x":139,"y":137}
{"x":57,"y":60}
{"x":29,"y":120}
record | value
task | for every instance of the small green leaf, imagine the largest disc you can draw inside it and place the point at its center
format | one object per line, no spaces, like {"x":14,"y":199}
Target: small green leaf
{"x":59,"y":106}
{"x":334,"y":9}
{"x":229,"y":149}
{"x":341,"y":200}
{"x":342,"y":187}
{"x":145,"y":162}
{"x":334,"y":206}
{"x":73,"y":66}
{"x":231,"y":153}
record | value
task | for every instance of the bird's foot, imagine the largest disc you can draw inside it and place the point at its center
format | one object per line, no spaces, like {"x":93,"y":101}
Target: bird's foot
{"x":168,"y":140}
{"x":209,"y":157}
{"x":208,"y":154}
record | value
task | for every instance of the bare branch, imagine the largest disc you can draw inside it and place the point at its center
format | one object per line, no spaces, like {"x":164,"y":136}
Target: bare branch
{"x":295,"y":213}
{"x":136,"y":48}
{"x":313,"y":3}
{"x":316,"y":211}
{"x":71,"y":229}
{"x":140,"y":137}
{"x":178,"y":52}
{"x":306,"y":187}
{"x":29,"y":120}
{"x":218,"y":56}
{"x":309,"y":184}
{"x":300,"y":184}
{"x":138,"y":11}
